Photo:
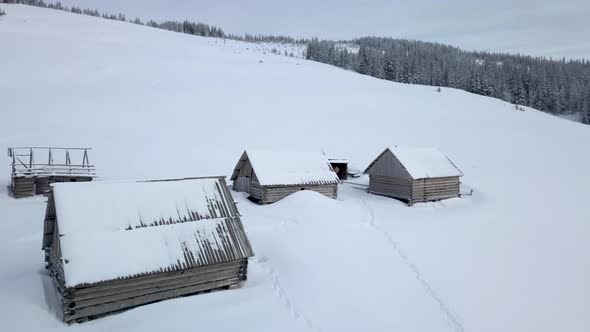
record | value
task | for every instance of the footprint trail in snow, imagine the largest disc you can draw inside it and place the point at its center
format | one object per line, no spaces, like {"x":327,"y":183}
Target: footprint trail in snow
{"x":425,"y":285}
{"x":273,"y":276}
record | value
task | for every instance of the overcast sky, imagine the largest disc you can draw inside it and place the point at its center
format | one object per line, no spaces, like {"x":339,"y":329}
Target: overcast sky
{"x":537,"y":27}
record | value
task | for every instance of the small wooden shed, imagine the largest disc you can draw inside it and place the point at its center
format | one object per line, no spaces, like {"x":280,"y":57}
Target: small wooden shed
{"x":340,"y":166}
{"x":414,"y":175}
{"x":33,"y":169}
{"x":112,"y":246}
{"x":271,"y":176}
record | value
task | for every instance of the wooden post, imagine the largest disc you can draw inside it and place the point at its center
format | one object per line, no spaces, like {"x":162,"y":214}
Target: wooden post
{"x":85,"y":161}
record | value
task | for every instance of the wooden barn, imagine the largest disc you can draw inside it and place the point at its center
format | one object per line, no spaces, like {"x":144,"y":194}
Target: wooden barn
{"x":271,"y":176}
{"x":33,"y":169}
{"x":340,"y":167}
{"x":111,"y":246}
{"x":414,"y":175}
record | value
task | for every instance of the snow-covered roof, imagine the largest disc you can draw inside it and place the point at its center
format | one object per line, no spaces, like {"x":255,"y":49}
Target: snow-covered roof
{"x":114,"y":230}
{"x":423,"y":163}
{"x":338,"y":160}
{"x":288,"y":168}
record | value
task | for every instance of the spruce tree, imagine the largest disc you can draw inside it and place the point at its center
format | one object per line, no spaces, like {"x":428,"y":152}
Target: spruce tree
{"x":390,"y":68}
{"x":364,"y":66}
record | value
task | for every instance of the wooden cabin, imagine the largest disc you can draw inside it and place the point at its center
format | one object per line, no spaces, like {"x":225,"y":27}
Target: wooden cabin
{"x":112,"y":246}
{"x":34,"y":169}
{"x":340,"y":167}
{"x":271,"y":176}
{"x":414,"y":175}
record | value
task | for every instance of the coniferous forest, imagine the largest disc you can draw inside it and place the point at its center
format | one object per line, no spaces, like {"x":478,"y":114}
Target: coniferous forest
{"x":555,"y":86}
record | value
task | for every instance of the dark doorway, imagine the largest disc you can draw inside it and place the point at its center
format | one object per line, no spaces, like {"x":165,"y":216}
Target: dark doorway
{"x":341,"y":169}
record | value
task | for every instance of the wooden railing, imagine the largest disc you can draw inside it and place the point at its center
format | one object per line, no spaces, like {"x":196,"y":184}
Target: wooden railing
{"x":26,"y":161}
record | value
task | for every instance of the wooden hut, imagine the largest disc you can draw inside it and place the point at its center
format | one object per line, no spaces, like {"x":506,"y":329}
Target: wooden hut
{"x":33,"y":169}
{"x":340,"y":166}
{"x":111,"y":246}
{"x":414,"y":175}
{"x":271,"y":176}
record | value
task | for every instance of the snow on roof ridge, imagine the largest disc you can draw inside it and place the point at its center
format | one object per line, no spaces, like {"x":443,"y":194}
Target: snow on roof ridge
{"x":141,"y":227}
{"x":115,"y":181}
{"x":425,"y":162}
{"x":291,"y":167}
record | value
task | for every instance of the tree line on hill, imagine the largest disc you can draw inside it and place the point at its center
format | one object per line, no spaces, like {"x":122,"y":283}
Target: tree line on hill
{"x":557,"y":87}
{"x":188,"y":27}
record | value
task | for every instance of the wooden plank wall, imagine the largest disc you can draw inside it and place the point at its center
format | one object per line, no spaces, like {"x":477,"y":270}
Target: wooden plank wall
{"x":276,"y":193}
{"x":242,"y":184}
{"x":387,"y":164}
{"x":391,"y":187}
{"x":433,"y":189}
{"x":256,"y":190}
{"x":31,"y":186}
{"x":414,"y":191}
{"x":85,"y":302}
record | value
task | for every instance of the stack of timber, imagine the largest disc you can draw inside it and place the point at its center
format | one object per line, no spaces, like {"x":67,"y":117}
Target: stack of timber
{"x":34,"y":169}
{"x":269,"y":176}
{"x":23,"y":187}
{"x":414,"y":175}
{"x":158,"y":240}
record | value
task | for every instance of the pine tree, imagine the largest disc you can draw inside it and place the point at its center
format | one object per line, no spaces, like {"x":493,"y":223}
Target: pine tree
{"x":364,"y":66}
{"x":519,"y":96}
{"x":391,"y":71}
{"x":406,"y":74}
{"x":341,"y":56}
{"x":474,"y":85}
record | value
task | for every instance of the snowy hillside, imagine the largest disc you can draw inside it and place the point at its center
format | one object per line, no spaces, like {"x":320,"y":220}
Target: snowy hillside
{"x":512,"y":257}
{"x":538,"y":27}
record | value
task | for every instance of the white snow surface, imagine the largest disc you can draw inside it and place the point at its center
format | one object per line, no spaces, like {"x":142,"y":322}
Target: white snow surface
{"x":134,"y":252}
{"x":513,"y":257}
{"x":117,"y":205}
{"x":291,"y":167}
{"x":107,"y":222}
{"x":424,"y":163}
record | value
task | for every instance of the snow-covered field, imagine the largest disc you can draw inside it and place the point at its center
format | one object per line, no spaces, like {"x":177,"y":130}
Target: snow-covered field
{"x":515,"y":256}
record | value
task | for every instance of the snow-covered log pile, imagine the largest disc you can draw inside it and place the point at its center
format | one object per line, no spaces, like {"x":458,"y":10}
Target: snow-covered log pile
{"x":116,"y":245}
